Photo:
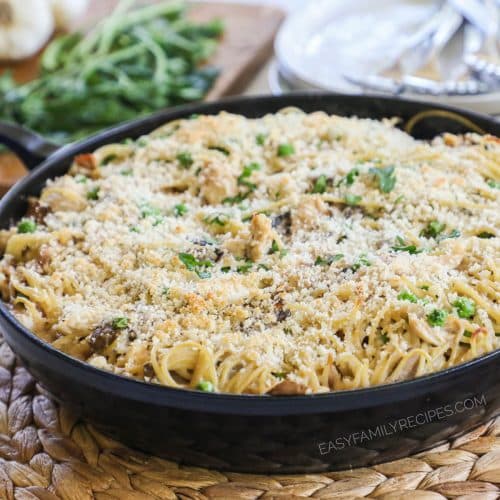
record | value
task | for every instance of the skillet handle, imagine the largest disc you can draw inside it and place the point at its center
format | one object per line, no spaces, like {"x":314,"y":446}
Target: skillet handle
{"x":29,"y":146}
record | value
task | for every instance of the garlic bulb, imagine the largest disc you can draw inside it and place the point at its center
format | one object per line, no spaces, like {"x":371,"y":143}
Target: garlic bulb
{"x":25,"y":26}
{"x":66,"y":12}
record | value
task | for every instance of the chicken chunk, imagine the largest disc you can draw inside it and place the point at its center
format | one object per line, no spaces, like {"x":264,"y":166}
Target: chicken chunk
{"x":262,"y":235}
{"x":217,"y":183}
{"x":308,"y":213}
{"x":423,"y":331}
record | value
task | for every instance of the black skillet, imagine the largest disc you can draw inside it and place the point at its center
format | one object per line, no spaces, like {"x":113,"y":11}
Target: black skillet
{"x":257,"y":433}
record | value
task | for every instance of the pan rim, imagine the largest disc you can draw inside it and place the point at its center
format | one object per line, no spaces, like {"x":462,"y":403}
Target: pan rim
{"x":227,"y":403}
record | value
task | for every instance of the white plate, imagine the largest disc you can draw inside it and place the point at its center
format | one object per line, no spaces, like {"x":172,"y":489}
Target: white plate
{"x":316,"y":45}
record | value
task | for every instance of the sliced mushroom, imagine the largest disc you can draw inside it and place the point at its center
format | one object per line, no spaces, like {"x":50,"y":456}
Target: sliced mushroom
{"x":288,"y":388}
{"x":37,"y":211}
{"x":283,"y":223}
{"x":102,"y":337}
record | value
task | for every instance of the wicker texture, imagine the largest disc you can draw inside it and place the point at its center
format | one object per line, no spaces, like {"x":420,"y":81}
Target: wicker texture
{"x":46,"y":453}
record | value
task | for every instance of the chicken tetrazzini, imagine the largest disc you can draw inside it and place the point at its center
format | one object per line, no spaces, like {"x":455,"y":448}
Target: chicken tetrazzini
{"x":295,"y":253}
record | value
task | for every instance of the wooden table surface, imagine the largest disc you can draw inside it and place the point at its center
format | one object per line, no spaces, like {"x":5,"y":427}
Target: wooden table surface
{"x":241,"y":55}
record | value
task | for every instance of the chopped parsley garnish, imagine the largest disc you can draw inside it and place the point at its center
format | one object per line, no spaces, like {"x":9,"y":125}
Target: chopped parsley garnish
{"x":180,"y":210}
{"x":405,"y":295}
{"x":243,"y":181}
{"x":362,"y":261}
{"x":320,"y":185}
{"x":248,"y":169}
{"x":403,"y":247}
{"x":467,"y":334}
{"x":433,"y":229}
{"x":352,"y":199}
{"x":220,"y":149}
{"x":233,"y":200}
{"x":349,"y":178}
{"x":280,"y":375}
{"x":165,"y":291}
{"x":205,"y":386}
{"x":127,"y":172}
{"x":193,"y":264}
{"x":245,"y":268}
{"x":485,"y":235}
{"x":386,"y":178}
{"x":494,"y":184}
{"x":148,"y":210}
{"x":247,"y":172}
{"x":424,"y":287}
{"x":93,"y":194}
{"x":466,"y":308}
{"x":330,"y":259}
{"x":134,"y":229}
{"x":437,"y":317}
{"x":286,"y":149}
{"x":276,"y":249}
{"x":218,"y":219}
{"x":185,"y":159}
{"x":225,"y":269}
{"x":26,"y":226}
{"x":120,"y":323}
{"x":81,"y":179}
{"x":384,"y":338}
{"x":260,"y":139}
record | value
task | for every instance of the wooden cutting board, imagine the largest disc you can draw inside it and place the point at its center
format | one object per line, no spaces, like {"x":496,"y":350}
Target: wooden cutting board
{"x":246,"y":45}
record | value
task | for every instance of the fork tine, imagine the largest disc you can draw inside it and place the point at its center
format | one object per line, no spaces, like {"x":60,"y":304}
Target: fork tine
{"x":483,"y":69}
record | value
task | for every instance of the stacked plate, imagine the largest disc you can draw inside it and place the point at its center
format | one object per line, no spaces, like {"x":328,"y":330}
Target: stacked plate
{"x":329,"y":44}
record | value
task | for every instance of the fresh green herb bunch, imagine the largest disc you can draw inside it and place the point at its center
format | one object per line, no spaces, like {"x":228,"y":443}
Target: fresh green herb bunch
{"x":133,"y":62}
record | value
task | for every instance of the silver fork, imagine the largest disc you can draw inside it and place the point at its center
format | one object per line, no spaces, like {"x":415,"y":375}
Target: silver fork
{"x":420,"y":60}
{"x":420,"y":85}
{"x":482,"y":44}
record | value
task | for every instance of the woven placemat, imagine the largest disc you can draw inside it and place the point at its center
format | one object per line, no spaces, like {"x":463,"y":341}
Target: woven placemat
{"x":47,"y":453}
